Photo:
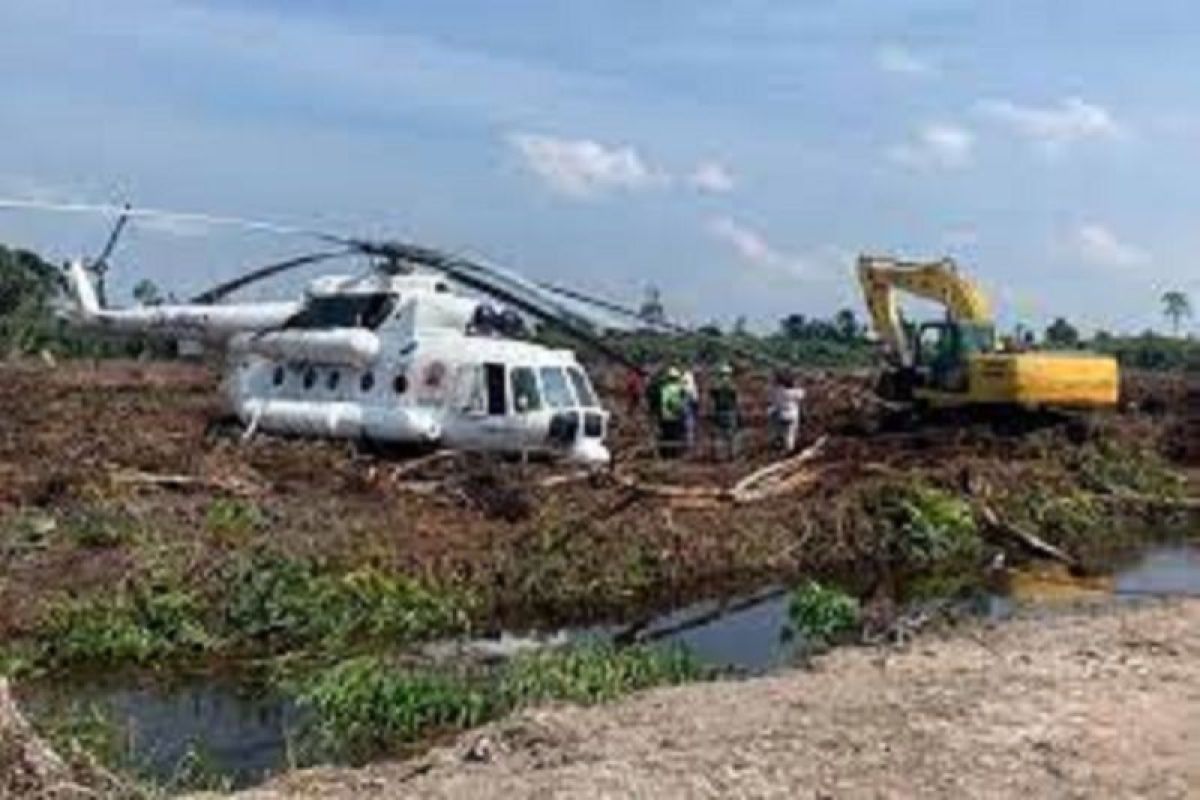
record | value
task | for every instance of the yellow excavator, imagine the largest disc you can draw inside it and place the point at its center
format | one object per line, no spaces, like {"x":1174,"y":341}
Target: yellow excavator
{"x":957,"y":362}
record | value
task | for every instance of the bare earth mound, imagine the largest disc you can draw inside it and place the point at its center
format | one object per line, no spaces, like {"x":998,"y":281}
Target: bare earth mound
{"x":1102,"y":703}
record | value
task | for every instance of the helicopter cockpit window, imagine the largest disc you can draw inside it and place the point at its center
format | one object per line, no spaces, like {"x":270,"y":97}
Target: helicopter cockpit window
{"x":344,"y":311}
{"x":583,"y":388}
{"x":525,"y":390}
{"x":555,"y":388}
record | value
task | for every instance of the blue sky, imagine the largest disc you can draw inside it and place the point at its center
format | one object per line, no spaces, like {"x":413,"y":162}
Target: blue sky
{"x":738,"y":153}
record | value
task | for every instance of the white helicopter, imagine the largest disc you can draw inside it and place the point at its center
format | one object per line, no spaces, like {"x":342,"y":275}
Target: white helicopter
{"x":398,"y":355}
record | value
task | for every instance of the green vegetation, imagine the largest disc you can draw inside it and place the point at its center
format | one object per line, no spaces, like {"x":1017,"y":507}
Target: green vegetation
{"x":925,"y":527}
{"x":30,"y":291}
{"x":258,"y":604}
{"x":593,"y":673}
{"x":370,"y":705}
{"x":821,"y":614}
{"x":131,"y":626}
{"x":367,"y":706}
{"x":287,"y":603}
{"x":233,"y":520}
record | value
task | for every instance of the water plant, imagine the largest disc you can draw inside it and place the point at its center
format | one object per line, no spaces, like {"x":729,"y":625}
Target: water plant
{"x":370,"y":705}
{"x":367,"y":705}
{"x":593,"y":673}
{"x":821,"y":614}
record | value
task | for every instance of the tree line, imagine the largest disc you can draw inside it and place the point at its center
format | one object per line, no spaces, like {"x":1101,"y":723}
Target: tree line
{"x":33,"y":292}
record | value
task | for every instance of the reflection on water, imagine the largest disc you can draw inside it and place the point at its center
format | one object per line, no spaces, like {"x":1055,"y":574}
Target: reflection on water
{"x":231,"y":732}
{"x":1162,"y":571}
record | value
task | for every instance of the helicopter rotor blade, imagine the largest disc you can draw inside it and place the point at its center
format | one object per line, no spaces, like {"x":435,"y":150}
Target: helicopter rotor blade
{"x":222,"y":290}
{"x":106,"y":209}
{"x":751,"y":353}
{"x":510,"y":289}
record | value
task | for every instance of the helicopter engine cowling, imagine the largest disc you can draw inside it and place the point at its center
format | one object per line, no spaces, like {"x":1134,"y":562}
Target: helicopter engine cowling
{"x":350,"y":347}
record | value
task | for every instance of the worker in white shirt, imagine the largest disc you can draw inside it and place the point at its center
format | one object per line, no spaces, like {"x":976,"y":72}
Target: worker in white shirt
{"x":691,"y":393}
{"x":787,"y":400}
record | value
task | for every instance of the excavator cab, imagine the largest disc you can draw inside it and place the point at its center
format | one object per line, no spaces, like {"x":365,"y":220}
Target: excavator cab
{"x":943,"y":351}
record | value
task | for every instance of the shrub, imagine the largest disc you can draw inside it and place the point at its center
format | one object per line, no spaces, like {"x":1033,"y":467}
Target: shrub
{"x":821,"y":614}
{"x":931,"y":527}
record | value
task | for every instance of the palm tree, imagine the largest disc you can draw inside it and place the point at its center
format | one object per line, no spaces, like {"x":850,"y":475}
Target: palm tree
{"x":1176,"y":307}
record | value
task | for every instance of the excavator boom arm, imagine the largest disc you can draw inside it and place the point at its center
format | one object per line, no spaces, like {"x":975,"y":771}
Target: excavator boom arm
{"x":882,"y":277}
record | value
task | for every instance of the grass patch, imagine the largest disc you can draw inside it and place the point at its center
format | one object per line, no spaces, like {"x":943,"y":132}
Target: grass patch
{"x":232,"y":520}
{"x":98,"y":527}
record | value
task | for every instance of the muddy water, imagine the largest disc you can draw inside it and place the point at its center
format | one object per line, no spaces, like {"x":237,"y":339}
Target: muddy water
{"x":247,"y":735}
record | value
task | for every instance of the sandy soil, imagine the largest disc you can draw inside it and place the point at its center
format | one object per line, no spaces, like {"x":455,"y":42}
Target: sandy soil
{"x":1096,"y":703}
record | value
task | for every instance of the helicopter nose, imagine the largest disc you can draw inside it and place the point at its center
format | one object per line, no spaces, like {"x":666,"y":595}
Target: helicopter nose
{"x":590,"y":453}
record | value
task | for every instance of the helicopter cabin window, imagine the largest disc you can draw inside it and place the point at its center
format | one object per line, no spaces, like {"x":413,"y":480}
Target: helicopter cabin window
{"x":344,"y":311}
{"x":583,"y":388}
{"x":400,"y":383}
{"x":497,"y":405}
{"x":310,"y":378}
{"x":333,"y":380}
{"x":525,"y":390}
{"x":555,"y":388}
{"x":367,"y":382}
{"x":278,"y":377}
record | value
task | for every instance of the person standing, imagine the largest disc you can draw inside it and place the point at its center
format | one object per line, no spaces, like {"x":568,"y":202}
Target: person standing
{"x":635,"y":390}
{"x":784,"y":413}
{"x":691,"y":411}
{"x":726,"y":417}
{"x":672,"y":411}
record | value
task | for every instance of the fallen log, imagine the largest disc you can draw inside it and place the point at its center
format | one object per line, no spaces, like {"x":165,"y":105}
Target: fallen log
{"x":770,"y":471}
{"x":1030,"y":541}
{"x":139,"y":478}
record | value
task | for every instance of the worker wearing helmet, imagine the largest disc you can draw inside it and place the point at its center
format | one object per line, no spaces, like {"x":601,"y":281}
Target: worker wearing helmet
{"x":672,"y":413}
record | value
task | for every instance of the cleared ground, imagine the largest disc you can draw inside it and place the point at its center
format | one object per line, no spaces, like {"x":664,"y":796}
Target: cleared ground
{"x":1101,"y":702}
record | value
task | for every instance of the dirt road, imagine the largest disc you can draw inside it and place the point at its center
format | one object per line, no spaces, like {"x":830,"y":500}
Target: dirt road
{"x":1100,"y":703}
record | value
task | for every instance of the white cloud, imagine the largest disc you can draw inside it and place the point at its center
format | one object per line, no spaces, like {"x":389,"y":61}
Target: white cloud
{"x":897,"y":60}
{"x":1096,"y":245}
{"x":584,"y":168}
{"x":753,"y":249}
{"x":936,"y":146}
{"x":712,"y":176}
{"x":1054,"y":127}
